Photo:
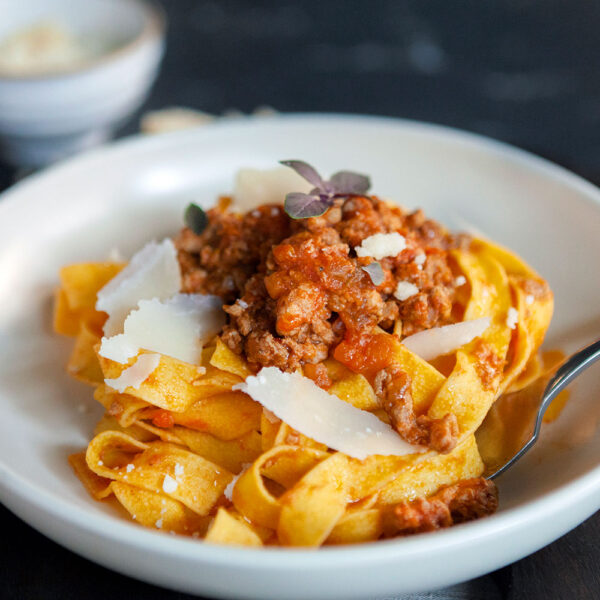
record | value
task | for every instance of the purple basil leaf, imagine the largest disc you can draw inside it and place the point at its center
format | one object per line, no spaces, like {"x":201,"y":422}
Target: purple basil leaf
{"x":304,"y":170}
{"x":347,"y":182}
{"x":303,"y":206}
{"x":375,"y":272}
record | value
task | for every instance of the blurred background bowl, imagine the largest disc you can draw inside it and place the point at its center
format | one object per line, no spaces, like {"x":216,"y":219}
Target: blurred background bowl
{"x":46,"y":115}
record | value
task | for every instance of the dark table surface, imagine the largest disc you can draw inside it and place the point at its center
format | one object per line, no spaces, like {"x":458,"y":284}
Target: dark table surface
{"x":523,"y":71}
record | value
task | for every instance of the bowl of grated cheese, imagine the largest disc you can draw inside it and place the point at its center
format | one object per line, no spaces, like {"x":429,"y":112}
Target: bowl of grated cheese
{"x":70,"y":75}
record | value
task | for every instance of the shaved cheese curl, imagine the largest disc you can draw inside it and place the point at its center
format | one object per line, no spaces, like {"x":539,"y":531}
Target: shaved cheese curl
{"x":323,"y":417}
{"x":254,"y":187}
{"x":153,"y":272}
{"x":441,"y":340}
{"x":177,"y":327}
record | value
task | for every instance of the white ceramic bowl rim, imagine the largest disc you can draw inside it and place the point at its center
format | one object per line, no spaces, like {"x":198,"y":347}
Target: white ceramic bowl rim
{"x":153,"y":28}
{"x":449,"y":540}
{"x":581,"y":489}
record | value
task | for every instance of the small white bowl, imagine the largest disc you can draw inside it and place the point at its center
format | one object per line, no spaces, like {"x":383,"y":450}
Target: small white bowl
{"x":45,"y":117}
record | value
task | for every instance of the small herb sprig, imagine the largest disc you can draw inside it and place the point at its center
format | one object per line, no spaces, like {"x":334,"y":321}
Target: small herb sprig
{"x":316,"y":203}
{"x":195,"y":218}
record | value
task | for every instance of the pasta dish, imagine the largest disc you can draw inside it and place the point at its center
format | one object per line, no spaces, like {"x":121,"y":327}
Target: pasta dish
{"x":303,"y":364}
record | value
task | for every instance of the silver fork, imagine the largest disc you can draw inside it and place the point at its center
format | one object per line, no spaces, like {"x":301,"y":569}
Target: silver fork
{"x":569,"y":369}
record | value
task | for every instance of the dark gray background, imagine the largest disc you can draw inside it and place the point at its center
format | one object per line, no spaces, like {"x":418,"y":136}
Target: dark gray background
{"x":523,"y":71}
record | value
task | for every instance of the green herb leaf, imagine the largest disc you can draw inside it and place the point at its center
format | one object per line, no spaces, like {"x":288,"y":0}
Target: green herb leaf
{"x":195,"y":218}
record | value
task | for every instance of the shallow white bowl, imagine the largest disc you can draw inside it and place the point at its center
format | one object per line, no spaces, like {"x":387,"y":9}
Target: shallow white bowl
{"x":549,"y":216}
{"x":46,"y":117}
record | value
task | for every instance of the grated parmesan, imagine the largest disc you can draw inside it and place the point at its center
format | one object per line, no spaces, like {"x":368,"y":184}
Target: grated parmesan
{"x":380,"y":245}
{"x":529,"y":299}
{"x":297,"y":400}
{"x":178,"y":469}
{"x":405,"y":289}
{"x":460,"y":281}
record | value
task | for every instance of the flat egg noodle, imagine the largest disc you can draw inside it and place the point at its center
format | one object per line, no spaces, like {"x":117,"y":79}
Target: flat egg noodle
{"x":160,"y":511}
{"x":284,"y":465}
{"x":199,"y":484}
{"x":293,"y":491}
{"x":464,"y":393}
{"x":75,"y":301}
{"x":232,"y":531}
{"x":173,"y":385}
{"x":83,"y":363}
{"x":310,"y":510}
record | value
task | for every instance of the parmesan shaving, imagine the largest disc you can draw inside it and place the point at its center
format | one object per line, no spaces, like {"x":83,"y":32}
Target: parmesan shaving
{"x":177,"y":327}
{"x":254,"y":187}
{"x":135,"y":375}
{"x":152,"y":273}
{"x":441,"y":340}
{"x":304,"y":406}
{"x":381,"y":245}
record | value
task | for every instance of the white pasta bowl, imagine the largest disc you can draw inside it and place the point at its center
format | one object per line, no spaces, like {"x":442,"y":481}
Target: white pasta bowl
{"x":47,"y":116}
{"x":547,"y":215}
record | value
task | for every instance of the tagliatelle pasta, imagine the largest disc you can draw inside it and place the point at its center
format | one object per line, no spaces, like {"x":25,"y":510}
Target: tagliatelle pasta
{"x":187,"y":451}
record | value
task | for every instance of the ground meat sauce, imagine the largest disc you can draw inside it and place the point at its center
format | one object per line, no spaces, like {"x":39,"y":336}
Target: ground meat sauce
{"x":453,"y":504}
{"x":296,"y":292}
{"x":488,"y":364}
{"x":392,"y":386}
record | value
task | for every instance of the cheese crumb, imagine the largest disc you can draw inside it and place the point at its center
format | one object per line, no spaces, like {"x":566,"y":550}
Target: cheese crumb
{"x":159,"y":523}
{"x":381,"y":245}
{"x":460,"y":280}
{"x":178,"y":469}
{"x":512,"y":318}
{"x":130,"y":467}
{"x":169,"y":484}
{"x":420,"y":259}
{"x":529,"y":299}
{"x":405,"y":289}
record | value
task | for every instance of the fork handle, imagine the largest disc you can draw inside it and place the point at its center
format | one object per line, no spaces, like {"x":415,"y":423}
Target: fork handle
{"x":572,"y":368}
